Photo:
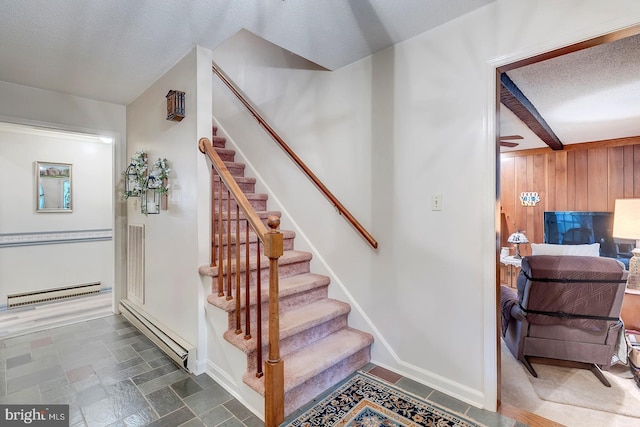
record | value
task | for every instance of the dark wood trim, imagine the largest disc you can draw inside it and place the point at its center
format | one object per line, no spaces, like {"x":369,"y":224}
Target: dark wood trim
{"x":606,"y":143}
{"x":512,"y":97}
{"x":606,"y":38}
{"x":526,"y":417}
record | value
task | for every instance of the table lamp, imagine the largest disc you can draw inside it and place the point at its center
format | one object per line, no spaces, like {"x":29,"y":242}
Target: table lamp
{"x":626,"y":225}
{"x":517,"y":238}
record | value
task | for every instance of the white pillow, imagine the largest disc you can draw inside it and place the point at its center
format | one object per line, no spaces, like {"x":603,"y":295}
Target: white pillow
{"x":549,"y":249}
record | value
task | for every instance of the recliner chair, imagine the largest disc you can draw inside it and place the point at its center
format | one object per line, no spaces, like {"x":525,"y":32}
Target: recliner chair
{"x":567,"y":308}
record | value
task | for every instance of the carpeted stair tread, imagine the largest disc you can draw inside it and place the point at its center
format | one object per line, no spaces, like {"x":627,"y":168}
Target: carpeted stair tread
{"x":253,"y":237}
{"x":239,"y":179}
{"x":249,"y":196}
{"x":289,"y":286}
{"x":263,"y":215}
{"x":235,"y":168}
{"x":316,"y":358}
{"x":294,"y":322}
{"x":289,"y":257}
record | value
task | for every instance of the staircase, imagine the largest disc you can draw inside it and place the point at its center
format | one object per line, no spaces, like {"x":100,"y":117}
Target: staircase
{"x":318,"y":347}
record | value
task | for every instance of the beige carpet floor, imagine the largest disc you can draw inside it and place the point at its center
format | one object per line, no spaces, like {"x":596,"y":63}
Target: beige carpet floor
{"x":573,"y":397}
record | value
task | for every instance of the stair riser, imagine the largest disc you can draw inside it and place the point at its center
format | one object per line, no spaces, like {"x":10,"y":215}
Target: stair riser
{"x":307,"y":391}
{"x":286,"y":303}
{"x":259,"y":205}
{"x":226,"y":156}
{"x":299,"y":340}
{"x":246,"y":187}
{"x":286,"y":270}
{"x":219,"y":141}
{"x":236,"y":169}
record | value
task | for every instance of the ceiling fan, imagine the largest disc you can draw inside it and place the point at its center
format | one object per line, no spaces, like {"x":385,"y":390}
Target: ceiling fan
{"x":504,"y":140}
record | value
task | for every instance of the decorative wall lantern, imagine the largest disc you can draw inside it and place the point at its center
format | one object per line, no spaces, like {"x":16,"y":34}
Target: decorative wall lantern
{"x":134,"y":175}
{"x":150,"y":203}
{"x":175,"y":105}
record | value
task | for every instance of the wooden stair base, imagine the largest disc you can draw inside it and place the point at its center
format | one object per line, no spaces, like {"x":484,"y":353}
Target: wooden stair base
{"x":319,"y":366}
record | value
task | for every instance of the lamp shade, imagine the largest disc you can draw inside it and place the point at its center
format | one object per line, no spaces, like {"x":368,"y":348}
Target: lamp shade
{"x":518,"y":237}
{"x":626,"y":219}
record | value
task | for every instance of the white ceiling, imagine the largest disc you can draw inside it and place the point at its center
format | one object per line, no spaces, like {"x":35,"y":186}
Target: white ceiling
{"x":112,"y":50}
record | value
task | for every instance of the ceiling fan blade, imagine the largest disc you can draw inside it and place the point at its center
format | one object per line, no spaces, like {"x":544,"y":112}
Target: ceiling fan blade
{"x":512,"y":137}
{"x":509,"y":144}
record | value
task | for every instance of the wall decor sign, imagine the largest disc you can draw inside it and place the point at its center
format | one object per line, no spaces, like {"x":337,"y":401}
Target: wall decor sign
{"x":529,"y":198}
{"x":53,"y":187}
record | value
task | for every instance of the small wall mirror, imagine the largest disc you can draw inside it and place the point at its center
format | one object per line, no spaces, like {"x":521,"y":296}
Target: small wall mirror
{"x":53,"y":187}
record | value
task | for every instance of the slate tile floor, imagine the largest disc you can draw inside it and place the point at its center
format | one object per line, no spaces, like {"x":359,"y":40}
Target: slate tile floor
{"x":112,"y":375}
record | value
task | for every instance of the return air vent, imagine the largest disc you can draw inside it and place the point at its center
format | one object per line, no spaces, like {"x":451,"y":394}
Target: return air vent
{"x":35,"y":297}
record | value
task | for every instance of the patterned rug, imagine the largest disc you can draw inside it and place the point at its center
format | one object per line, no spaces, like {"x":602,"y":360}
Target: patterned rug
{"x":367,"y":401}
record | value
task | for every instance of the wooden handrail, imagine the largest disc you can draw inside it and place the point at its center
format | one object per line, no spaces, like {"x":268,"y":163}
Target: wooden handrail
{"x":272,"y":241}
{"x":206,"y":147}
{"x":334,"y":201}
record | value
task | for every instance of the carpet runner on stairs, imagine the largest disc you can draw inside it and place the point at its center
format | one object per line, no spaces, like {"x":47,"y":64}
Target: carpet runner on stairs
{"x":318,"y":347}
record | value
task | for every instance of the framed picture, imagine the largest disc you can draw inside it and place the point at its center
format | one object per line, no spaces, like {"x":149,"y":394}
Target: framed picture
{"x":53,"y":187}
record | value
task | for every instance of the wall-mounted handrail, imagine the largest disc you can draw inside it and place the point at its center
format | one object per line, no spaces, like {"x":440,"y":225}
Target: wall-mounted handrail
{"x":334,"y":201}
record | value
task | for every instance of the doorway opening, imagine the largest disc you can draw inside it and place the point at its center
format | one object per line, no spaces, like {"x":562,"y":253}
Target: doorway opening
{"x":57,"y":233}
{"x":502,"y":235}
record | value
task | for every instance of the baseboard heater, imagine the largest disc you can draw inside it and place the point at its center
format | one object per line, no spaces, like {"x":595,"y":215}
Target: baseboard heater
{"x":35,"y":297}
{"x":175,"y":347}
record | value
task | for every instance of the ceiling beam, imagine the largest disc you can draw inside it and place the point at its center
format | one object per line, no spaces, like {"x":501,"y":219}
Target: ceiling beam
{"x":512,"y":98}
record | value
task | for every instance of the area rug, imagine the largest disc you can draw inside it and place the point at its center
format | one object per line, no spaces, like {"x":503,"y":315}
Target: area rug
{"x":367,"y":401}
{"x":579,"y":387}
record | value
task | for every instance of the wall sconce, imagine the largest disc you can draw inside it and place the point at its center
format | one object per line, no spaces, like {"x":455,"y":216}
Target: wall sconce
{"x":175,"y":105}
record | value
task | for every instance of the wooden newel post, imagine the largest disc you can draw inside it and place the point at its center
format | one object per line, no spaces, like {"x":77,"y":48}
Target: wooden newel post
{"x":273,"y":366}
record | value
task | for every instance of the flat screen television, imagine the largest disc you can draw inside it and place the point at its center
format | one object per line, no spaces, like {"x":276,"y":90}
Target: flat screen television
{"x":575,"y":228}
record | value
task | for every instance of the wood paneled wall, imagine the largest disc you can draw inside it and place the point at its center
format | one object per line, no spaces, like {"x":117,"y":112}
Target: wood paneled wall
{"x":582,"y":177}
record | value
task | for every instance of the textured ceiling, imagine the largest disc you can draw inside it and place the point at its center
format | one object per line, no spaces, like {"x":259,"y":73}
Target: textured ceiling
{"x":588,"y":95}
{"x":112,"y":50}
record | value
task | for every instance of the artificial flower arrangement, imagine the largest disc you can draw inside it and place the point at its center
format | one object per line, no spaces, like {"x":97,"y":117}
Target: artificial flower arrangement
{"x":160,"y":170}
{"x":139,"y":178}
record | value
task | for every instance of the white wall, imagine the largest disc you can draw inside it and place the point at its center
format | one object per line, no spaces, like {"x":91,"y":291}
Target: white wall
{"x":386,"y":133}
{"x":33,"y":266}
{"x":173,"y":248}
